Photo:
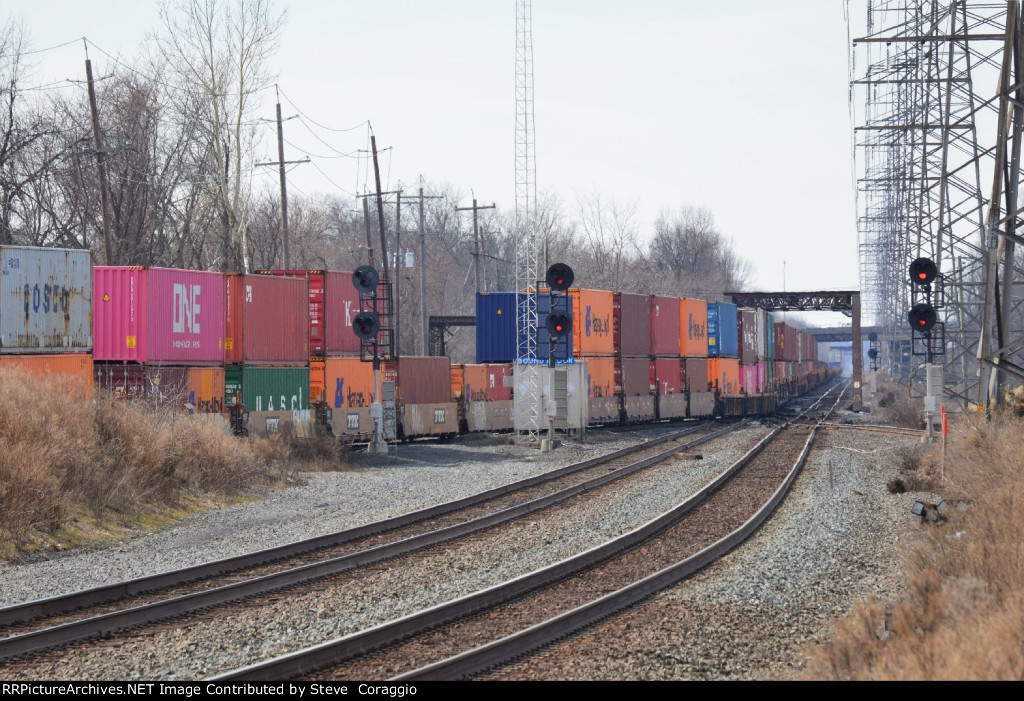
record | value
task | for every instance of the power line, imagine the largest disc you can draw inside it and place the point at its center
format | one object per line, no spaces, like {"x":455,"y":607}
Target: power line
{"x":41,"y":51}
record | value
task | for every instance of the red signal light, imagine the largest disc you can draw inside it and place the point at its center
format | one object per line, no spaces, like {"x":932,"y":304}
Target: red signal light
{"x":922,"y":276}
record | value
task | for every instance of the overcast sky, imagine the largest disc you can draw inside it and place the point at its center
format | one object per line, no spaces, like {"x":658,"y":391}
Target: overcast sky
{"x":740,"y":106}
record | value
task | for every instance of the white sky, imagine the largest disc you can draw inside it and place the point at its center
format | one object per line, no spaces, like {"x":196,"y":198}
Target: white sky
{"x":737,"y":106}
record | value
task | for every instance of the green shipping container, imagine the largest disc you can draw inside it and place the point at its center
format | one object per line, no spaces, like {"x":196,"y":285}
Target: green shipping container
{"x":267,"y":389}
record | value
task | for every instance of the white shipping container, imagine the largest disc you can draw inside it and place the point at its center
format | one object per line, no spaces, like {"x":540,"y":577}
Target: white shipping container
{"x":45,"y":300}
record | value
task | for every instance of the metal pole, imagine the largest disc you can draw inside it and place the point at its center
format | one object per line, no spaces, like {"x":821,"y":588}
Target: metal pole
{"x":423,"y":281}
{"x":398,"y":274}
{"x":284,"y":190}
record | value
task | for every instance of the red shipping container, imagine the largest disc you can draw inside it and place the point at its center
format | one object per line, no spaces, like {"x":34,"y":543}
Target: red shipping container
{"x":696,"y":374}
{"x":748,"y":329}
{"x":267,"y":320}
{"x":633,"y":376}
{"x":632,"y":324}
{"x":333,"y":303}
{"x":158,"y":315}
{"x":665,"y":326}
{"x":496,"y":374}
{"x":668,"y":375}
{"x":420,"y":379}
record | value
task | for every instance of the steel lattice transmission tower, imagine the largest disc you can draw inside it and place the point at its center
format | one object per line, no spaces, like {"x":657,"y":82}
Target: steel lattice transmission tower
{"x":938,"y":153}
{"x":528,"y":390}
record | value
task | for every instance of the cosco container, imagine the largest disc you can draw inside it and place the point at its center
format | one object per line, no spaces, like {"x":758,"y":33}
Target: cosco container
{"x":722,"y":330}
{"x":665,"y":326}
{"x":333,"y":303}
{"x":266,"y":320}
{"x":496,"y":327}
{"x":77,"y":366}
{"x":45,"y":300}
{"x":198,"y":390}
{"x":267,"y":389}
{"x":693,"y":328}
{"x":631,"y":324}
{"x":420,"y":380}
{"x":158,"y":315}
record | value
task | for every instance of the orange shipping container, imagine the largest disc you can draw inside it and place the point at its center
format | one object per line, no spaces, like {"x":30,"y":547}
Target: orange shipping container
{"x":693,"y":328}
{"x":317,"y":381}
{"x":475,"y":383}
{"x":592,"y":322}
{"x":458,"y":374}
{"x":600,"y":377}
{"x":349,"y":382}
{"x":724,"y":373}
{"x":74,"y":365}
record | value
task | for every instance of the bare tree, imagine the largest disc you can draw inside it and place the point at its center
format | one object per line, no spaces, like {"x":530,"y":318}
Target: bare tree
{"x":608,"y":242}
{"x":219,"y":52}
{"x":693,"y":257}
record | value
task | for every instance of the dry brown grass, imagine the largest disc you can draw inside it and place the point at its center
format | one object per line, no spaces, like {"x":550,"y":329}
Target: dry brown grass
{"x":964,"y":618}
{"x":60,"y":457}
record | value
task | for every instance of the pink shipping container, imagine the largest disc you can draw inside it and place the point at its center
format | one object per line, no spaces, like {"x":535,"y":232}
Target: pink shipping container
{"x":267,"y":320}
{"x":333,"y":303}
{"x":668,"y":375}
{"x":753,"y":379}
{"x":158,"y":315}
{"x":496,"y":389}
{"x":665,"y":326}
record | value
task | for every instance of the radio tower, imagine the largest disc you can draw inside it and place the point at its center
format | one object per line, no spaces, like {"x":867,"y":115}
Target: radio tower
{"x":528,"y":390}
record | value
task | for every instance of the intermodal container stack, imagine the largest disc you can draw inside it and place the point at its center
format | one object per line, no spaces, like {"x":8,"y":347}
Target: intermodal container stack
{"x":160,"y":333}
{"x":46,"y":314}
{"x":723,"y":348}
{"x":755,"y":346}
{"x":694,"y":347}
{"x":266,"y":349}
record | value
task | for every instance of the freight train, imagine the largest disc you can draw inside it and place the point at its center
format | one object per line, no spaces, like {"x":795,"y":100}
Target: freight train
{"x":280,"y":346}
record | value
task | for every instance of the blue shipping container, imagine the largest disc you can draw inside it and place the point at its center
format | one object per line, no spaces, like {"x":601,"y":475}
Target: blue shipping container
{"x":496,"y":327}
{"x":723,"y":336}
{"x":563,"y":348}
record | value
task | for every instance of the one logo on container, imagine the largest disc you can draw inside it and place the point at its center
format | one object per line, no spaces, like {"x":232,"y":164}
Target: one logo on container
{"x":186,"y":313}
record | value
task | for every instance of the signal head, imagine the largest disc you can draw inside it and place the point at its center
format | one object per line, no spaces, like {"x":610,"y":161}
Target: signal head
{"x":922,"y":317}
{"x":365,"y":279}
{"x":923,"y":271}
{"x":366,"y":325}
{"x":559,"y":325}
{"x":559,"y":277}
{"x":873,"y":353}
{"x":872,"y":337}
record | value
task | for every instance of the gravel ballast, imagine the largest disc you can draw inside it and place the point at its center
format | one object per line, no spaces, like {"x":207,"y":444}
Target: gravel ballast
{"x":753,"y":614}
{"x":400,"y":587}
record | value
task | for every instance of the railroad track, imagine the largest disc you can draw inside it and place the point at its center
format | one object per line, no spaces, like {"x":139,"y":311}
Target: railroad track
{"x":488,"y":627}
{"x":876,"y":428}
{"x":40,"y":625}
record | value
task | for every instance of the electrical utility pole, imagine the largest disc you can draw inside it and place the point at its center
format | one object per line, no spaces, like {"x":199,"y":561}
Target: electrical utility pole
{"x":101,"y":158}
{"x":281,"y":163}
{"x":424,"y":328}
{"x":476,"y":239}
